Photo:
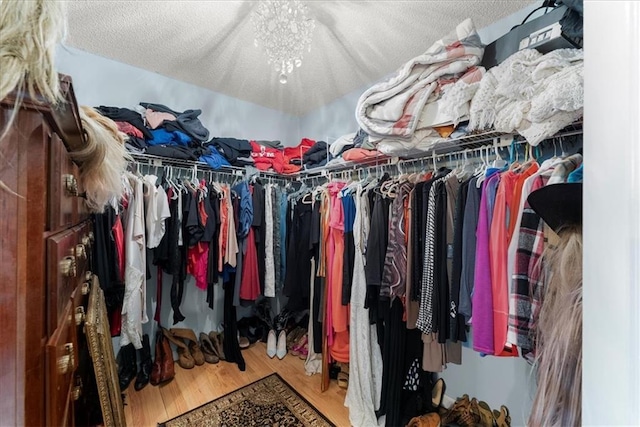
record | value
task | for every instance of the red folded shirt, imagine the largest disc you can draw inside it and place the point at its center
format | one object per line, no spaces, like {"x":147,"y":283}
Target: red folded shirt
{"x":267,"y":157}
{"x":297,"y":152}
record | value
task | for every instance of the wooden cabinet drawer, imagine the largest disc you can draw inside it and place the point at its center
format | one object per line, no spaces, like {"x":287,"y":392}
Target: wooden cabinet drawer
{"x":61,"y":361}
{"x":63,"y":187}
{"x":67,"y":262}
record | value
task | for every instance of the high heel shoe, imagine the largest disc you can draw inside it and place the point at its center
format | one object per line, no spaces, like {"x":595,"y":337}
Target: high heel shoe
{"x":437,"y":392}
{"x":281,"y":351}
{"x":298,"y":346}
{"x":272,"y":343}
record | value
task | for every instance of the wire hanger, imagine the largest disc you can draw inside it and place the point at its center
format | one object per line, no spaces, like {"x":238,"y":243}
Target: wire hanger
{"x":499,"y":162}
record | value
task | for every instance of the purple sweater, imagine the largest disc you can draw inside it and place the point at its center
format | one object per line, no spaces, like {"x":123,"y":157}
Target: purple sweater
{"x":482,"y":317}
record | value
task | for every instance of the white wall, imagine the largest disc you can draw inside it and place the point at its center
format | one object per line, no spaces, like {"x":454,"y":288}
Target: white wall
{"x":611,"y":223}
{"x":338,"y":117}
{"x":101,"y":81}
{"x":333,"y":120}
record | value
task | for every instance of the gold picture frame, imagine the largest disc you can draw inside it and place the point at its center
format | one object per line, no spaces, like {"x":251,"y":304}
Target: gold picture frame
{"x":103,"y":358}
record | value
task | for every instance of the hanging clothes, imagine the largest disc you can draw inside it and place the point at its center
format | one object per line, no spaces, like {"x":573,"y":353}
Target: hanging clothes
{"x":134,"y":312}
{"x":270,"y":268}
{"x":365,"y":368}
{"x":338,"y":312}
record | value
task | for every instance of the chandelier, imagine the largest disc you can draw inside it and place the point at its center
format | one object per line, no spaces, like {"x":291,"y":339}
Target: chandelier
{"x":284,"y":29}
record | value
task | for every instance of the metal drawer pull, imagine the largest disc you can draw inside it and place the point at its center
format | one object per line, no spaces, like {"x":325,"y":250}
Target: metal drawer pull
{"x":70,"y":185}
{"x":66,"y":362}
{"x":77,"y":389}
{"x":80,"y":315}
{"x":77,"y":392}
{"x":81,"y":251}
{"x":68,"y":266}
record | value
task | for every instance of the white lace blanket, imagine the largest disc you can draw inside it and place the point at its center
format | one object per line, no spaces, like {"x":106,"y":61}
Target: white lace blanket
{"x":534,"y":94}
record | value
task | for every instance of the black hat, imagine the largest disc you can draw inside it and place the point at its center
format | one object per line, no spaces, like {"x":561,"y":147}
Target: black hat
{"x":559,"y":205}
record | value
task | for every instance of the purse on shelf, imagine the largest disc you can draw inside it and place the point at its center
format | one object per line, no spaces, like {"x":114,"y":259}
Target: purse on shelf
{"x":163,"y":370}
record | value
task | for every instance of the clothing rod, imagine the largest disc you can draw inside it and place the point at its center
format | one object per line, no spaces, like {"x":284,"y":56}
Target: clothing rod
{"x":459,"y":145}
{"x":161,"y":162}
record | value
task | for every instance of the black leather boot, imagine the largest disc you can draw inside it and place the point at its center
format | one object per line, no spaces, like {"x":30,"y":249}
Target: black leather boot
{"x":146,"y":364}
{"x":127,"y":366}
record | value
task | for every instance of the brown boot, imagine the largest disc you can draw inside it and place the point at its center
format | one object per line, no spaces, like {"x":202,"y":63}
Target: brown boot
{"x":192,"y":343}
{"x":216,"y":339}
{"x":208,"y":350}
{"x":185,"y":360}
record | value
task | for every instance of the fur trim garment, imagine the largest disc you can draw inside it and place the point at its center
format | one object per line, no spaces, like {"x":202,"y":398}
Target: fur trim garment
{"x":103,"y":160}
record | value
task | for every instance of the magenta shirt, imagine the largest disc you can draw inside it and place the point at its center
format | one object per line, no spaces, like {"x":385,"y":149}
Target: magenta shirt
{"x":482,"y":308}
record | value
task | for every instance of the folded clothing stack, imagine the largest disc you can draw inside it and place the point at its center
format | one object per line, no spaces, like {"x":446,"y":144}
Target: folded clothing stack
{"x":236,"y":151}
{"x":316,"y":156}
{"x":293,"y":155}
{"x":266,"y":157}
{"x":161,"y":116}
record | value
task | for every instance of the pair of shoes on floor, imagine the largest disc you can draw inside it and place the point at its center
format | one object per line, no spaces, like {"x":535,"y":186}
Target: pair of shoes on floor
{"x":294,"y":335}
{"x":463,"y":413}
{"x":489,"y":418}
{"x":277,"y":346}
{"x":189,"y":352}
{"x":211,"y":347}
{"x":472,"y":413}
{"x":301,"y":347}
{"x":243,"y":342}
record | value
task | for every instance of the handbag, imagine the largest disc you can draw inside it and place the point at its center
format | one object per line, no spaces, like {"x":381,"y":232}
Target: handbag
{"x":163,"y":369}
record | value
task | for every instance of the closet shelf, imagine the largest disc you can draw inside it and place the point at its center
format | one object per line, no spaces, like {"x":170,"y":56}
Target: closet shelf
{"x":444,"y":147}
{"x":158,"y":162}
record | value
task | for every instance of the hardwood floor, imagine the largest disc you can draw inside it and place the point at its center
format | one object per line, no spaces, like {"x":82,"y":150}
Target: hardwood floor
{"x":194,"y":387}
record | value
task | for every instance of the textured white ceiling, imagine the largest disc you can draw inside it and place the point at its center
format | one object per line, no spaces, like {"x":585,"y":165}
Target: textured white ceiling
{"x":210,"y":43}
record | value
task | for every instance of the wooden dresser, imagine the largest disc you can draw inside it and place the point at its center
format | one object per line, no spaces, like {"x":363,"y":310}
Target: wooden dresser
{"x":45,"y":251}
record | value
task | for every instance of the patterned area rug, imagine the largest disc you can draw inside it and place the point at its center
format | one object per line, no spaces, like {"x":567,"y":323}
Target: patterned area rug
{"x":267,"y":402}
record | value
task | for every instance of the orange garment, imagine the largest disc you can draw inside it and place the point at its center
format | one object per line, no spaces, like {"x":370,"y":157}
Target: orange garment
{"x":498,"y":246}
{"x":324,"y":233}
{"x":361,"y":155}
{"x":340,"y":349}
{"x":338,"y":314}
{"x":289,"y":168}
{"x":224,"y":228}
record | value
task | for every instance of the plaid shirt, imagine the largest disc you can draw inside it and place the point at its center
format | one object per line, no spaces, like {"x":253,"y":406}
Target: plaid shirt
{"x":527,"y":286}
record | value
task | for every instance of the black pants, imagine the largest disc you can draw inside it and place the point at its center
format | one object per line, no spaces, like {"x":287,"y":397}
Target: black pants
{"x":393,"y":370}
{"x":230,"y":345}
{"x":299,"y":253}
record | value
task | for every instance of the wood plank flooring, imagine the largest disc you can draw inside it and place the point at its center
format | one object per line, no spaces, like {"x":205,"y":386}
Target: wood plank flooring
{"x":194,"y":387}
